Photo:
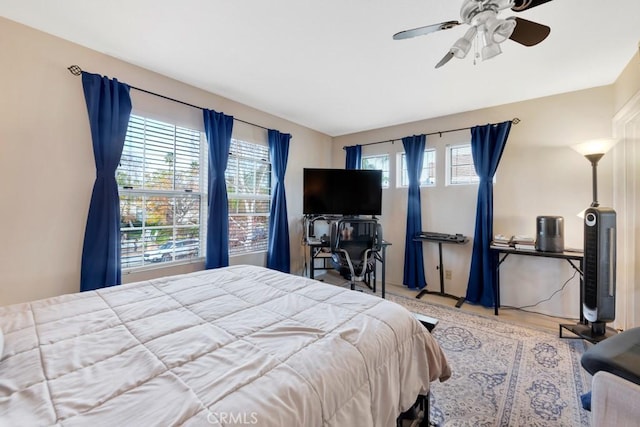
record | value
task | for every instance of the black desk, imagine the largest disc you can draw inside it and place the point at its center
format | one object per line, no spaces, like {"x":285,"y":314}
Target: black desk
{"x":315,"y":249}
{"x":424,"y":291}
{"x":566,"y":255}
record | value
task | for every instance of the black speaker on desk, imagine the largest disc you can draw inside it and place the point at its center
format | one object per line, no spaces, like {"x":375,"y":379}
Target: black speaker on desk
{"x":550,"y":233}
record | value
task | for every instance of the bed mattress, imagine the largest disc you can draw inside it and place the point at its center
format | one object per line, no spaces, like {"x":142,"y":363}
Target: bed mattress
{"x":241,"y":345}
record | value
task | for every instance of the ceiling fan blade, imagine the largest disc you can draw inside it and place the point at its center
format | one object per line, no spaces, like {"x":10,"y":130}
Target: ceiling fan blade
{"x":521,"y":5}
{"x":445,"y":59}
{"x":529,"y":33}
{"x":421,"y":31}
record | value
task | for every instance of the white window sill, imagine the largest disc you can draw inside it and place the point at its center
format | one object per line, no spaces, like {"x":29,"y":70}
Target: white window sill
{"x":161,"y":265}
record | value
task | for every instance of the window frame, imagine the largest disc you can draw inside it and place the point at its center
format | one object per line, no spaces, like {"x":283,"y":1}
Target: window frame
{"x":400,"y":169}
{"x":260,"y":234}
{"x":386,"y":173}
{"x":473,"y":180}
{"x":145,"y":194}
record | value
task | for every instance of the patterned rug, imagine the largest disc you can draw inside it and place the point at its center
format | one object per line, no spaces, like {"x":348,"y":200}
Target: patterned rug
{"x":503,"y":374}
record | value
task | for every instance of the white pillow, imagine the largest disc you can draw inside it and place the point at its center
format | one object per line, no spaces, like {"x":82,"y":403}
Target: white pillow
{"x":1,"y":343}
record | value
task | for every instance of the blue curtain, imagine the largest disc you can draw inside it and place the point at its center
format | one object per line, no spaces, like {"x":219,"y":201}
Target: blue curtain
{"x":109,"y":108}
{"x":354,"y":157}
{"x":217,"y":127}
{"x":278,"y":252}
{"x":413,"y":261}
{"x":487,"y":145}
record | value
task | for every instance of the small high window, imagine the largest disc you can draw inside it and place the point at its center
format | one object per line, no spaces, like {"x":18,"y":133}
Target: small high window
{"x":378,"y":162}
{"x":460,"y":167}
{"x":428,"y":175}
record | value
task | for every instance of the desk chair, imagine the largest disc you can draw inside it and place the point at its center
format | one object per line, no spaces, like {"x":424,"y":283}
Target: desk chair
{"x":354,"y":245}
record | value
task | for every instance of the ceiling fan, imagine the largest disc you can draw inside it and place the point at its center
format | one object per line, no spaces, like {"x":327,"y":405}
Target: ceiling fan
{"x":483,"y":21}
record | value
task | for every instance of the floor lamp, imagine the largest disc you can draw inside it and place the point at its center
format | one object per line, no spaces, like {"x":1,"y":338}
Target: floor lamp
{"x":597,"y":291}
{"x":594,"y":150}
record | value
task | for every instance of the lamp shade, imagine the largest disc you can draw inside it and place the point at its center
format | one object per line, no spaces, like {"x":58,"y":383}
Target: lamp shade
{"x":595,"y":146}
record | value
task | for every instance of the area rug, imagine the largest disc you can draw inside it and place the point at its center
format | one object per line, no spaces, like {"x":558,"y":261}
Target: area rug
{"x":503,"y":374}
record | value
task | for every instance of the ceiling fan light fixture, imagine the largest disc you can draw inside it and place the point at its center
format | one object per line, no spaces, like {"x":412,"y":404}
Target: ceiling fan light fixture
{"x":486,"y":29}
{"x":489,"y":48}
{"x":500,"y":30}
{"x":461,"y":47}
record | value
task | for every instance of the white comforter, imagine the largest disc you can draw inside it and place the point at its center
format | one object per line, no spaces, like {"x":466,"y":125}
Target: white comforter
{"x":241,"y":345}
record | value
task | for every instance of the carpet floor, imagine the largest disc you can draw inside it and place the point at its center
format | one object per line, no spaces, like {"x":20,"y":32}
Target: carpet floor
{"x":503,"y":374}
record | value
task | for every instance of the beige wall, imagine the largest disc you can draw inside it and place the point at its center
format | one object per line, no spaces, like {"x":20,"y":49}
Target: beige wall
{"x":46,"y":160}
{"x":539,"y":175}
{"x":628,"y":83}
{"x":47,"y":171}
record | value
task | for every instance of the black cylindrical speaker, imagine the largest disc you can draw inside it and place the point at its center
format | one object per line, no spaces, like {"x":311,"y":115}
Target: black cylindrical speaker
{"x":550,"y":233}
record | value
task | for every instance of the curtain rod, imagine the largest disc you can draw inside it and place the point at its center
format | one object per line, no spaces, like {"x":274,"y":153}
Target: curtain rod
{"x":77,"y":71}
{"x":515,"y":121}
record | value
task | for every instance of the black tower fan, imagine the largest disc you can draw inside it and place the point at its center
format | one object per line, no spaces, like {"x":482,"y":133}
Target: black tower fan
{"x":599,"y":284}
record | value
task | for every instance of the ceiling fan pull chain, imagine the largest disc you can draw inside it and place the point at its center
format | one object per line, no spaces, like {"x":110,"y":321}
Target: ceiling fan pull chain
{"x":476,"y":54}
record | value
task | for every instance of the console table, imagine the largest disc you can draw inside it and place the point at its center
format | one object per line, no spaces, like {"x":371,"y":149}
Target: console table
{"x":315,"y":250}
{"x":503,"y":252}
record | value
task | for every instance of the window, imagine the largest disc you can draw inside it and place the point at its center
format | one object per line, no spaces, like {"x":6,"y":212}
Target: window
{"x":428,"y":175}
{"x":378,"y":162}
{"x":460,"y":168}
{"x":162,"y":185}
{"x":248,"y":179}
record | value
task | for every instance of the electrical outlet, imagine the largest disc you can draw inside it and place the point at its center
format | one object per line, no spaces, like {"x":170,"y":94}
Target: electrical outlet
{"x":447,"y":274}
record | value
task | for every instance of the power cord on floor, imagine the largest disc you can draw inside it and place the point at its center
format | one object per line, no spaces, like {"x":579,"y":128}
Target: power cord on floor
{"x":569,"y":319}
{"x":522,"y":308}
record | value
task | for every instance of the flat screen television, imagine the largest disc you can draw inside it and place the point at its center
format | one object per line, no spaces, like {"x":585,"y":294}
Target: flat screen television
{"x":342,"y":192}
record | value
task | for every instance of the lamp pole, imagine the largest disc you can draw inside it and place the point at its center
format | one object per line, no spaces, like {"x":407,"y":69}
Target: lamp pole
{"x":594,"y":158}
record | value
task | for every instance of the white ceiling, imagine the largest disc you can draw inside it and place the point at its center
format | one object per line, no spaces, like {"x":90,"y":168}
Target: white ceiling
{"x":332,"y":65}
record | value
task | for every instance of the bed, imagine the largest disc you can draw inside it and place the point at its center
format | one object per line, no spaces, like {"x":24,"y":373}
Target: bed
{"x":241,"y":345}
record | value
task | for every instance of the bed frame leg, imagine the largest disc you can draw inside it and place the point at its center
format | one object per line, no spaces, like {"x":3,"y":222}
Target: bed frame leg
{"x":425,"y":406}
{"x":412,"y":414}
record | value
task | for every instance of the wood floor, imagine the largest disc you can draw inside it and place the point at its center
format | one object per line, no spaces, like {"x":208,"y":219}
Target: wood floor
{"x":533,"y":320}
